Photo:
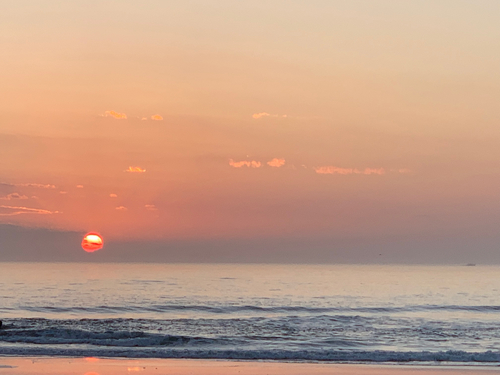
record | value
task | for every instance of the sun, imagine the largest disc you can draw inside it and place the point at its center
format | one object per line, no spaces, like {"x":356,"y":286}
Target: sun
{"x":92,"y":242}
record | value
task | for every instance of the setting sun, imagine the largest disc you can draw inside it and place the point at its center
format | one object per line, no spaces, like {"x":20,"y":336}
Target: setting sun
{"x":92,"y":242}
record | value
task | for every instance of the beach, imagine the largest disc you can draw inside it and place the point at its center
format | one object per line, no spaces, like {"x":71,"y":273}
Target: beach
{"x":98,"y":366}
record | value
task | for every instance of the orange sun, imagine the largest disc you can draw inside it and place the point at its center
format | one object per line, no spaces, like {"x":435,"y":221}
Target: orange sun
{"x":92,"y":242}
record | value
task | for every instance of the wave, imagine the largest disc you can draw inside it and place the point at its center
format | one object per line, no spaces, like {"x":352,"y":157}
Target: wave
{"x":60,"y":336}
{"x":317,"y":337}
{"x":155,"y":308}
{"x":276,"y":355}
{"x":275,"y":339}
{"x":198,"y":308}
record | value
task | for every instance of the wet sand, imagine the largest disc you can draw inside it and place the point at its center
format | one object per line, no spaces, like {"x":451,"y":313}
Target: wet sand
{"x":97,"y":366}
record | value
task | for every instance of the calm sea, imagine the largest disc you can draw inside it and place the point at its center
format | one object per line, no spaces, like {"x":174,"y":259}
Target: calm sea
{"x":341,"y":313}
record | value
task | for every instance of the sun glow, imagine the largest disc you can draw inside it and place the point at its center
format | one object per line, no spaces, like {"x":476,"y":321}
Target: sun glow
{"x":92,"y":242}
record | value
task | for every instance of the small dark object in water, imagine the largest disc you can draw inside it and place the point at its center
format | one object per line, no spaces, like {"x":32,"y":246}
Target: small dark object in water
{"x":0,"y":324}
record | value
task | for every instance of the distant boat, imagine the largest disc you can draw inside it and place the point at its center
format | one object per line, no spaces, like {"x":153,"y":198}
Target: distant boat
{"x":470,"y":264}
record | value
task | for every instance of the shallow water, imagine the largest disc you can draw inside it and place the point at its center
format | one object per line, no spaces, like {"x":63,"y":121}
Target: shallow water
{"x":298,"y":312}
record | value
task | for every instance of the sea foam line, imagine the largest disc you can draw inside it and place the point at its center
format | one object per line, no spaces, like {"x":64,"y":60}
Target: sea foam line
{"x":277,"y":355}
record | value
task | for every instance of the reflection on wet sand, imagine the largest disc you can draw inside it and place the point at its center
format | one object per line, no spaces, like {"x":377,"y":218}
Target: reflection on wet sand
{"x":96,"y":366}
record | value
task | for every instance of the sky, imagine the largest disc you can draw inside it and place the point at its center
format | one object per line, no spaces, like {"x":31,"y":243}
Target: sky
{"x":250,"y":131}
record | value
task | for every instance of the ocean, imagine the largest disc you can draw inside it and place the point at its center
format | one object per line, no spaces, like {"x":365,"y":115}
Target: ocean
{"x":337,"y":313}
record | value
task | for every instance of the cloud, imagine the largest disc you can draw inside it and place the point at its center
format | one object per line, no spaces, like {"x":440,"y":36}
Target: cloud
{"x":63,"y":192}
{"x":379,"y":171}
{"x":16,"y":210}
{"x":249,"y":163}
{"x":261,"y":114}
{"x":265,"y":114}
{"x":116,"y":115}
{"x":135,"y":170}
{"x":113,"y":195}
{"x":14,"y":196}
{"x":121,"y":208}
{"x":276,"y":162}
{"x":330,"y":169}
{"x":157,"y":117}
{"x":144,"y":118}
{"x":151,"y":207}
{"x":33,"y":185}
{"x":79,"y":186}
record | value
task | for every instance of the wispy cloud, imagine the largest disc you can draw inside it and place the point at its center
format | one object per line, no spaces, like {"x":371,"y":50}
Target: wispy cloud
{"x":10,"y":186}
{"x":14,"y":196}
{"x":33,"y":185}
{"x":135,"y":170}
{"x":157,"y":117}
{"x":19,"y":210}
{"x":261,"y":114}
{"x":151,"y":207}
{"x":79,"y":186}
{"x":121,"y":208}
{"x":116,"y":115}
{"x":265,"y":114}
{"x":245,"y":163}
{"x":379,"y":171}
{"x":330,"y":169}
{"x":113,"y":195}
{"x":276,"y":162}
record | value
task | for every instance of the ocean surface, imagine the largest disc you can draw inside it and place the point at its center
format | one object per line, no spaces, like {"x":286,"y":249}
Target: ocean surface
{"x":338,"y":313}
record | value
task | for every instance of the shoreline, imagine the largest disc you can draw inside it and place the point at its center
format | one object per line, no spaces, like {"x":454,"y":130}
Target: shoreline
{"x":114,"y":366}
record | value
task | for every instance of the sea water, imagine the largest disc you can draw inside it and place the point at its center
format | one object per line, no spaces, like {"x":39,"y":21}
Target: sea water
{"x":341,"y":313}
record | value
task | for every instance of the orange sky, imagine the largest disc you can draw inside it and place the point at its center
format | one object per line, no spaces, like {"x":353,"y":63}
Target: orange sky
{"x":258,"y":119}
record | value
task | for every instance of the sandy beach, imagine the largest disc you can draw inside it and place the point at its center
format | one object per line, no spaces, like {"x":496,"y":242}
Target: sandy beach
{"x":97,"y":366}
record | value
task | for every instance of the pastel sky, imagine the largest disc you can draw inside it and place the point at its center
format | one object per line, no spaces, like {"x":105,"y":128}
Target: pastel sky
{"x":321,"y":130}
